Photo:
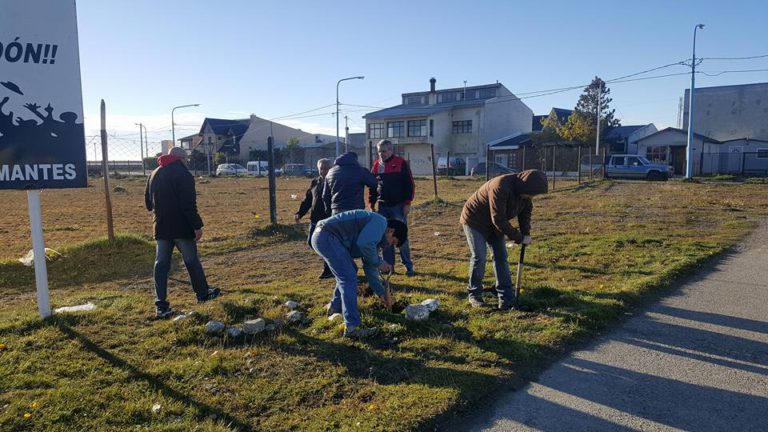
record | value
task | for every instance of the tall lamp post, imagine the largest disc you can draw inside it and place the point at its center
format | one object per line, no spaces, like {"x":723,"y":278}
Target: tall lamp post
{"x":337,"y":108}
{"x":689,"y":147}
{"x":173,"y":124}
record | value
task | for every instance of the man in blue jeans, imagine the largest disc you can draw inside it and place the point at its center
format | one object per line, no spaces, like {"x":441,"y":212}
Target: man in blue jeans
{"x":356,"y":234}
{"x":170,"y":195}
{"x":485,"y":219}
{"x":393,"y":196}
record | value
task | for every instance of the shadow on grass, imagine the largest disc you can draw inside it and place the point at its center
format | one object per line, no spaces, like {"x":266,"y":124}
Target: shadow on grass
{"x":135,"y":373}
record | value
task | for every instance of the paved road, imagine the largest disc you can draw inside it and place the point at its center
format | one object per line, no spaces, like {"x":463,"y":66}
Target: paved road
{"x":697,"y":360}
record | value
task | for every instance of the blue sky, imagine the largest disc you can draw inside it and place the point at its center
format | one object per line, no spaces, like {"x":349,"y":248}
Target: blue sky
{"x":277,"y":58}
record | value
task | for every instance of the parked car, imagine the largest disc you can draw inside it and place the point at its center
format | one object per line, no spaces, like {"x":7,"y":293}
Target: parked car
{"x":494,"y":168}
{"x":260,"y":168}
{"x":634,"y":166}
{"x":455,"y":167}
{"x":231,"y":169}
{"x":296,"y":170}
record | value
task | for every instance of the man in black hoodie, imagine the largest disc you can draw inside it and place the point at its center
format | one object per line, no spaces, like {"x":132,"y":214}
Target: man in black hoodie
{"x":313,"y":203}
{"x":170,"y":195}
{"x":345,"y":184}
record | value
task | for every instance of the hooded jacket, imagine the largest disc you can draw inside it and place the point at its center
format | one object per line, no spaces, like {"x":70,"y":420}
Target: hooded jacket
{"x":490,"y":208}
{"x":313,"y":202}
{"x":345,"y":184}
{"x":170,"y":195}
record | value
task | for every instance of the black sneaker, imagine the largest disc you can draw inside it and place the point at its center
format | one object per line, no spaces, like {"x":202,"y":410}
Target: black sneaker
{"x":163,"y":313}
{"x":359,"y":332}
{"x":212,"y":294}
{"x":326,"y":275}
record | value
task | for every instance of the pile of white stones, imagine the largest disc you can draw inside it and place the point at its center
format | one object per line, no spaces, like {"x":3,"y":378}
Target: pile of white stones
{"x":250,"y":327}
{"x":421,"y":311}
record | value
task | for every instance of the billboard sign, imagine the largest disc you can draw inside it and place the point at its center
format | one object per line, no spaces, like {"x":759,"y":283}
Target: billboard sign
{"x":42,"y":139}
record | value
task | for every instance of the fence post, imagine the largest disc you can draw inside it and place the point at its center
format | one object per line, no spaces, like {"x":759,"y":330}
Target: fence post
{"x":578,"y":166}
{"x":602,"y":163}
{"x":487,"y":163}
{"x":743,"y":162}
{"x":272,"y":187}
{"x":434,"y":175}
{"x":590,"y":165}
{"x":105,"y":168}
{"x":522,"y":167}
{"x":554,"y":173}
{"x":370,"y":154}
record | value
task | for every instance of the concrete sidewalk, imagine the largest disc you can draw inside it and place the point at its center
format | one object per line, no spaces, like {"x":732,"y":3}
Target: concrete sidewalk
{"x":697,"y":361}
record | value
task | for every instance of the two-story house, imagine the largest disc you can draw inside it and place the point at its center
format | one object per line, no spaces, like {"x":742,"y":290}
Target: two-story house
{"x":459,"y":122}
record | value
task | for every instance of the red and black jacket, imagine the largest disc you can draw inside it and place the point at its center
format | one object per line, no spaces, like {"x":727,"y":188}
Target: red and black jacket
{"x":396,"y":184}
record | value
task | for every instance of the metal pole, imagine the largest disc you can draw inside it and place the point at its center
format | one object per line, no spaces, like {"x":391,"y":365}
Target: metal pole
{"x":173,"y":124}
{"x":522,"y":167}
{"x":38,"y":248}
{"x":689,"y":148}
{"x":272,"y":186}
{"x":590,"y":166}
{"x":337,"y":108}
{"x":105,"y":168}
{"x":487,"y":163}
{"x":141,"y":143}
{"x":208,"y":148}
{"x":434,"y":175}
{"x":602,"y":163}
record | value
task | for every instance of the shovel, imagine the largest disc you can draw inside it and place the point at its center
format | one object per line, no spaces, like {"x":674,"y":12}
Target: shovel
{"x":518,"y":280}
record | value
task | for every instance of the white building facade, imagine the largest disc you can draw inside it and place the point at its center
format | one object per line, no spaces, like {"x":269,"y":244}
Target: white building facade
{"x":459,"y":122}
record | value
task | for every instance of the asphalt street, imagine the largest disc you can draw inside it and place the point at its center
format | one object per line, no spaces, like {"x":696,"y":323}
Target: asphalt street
{"x":696,"y":360}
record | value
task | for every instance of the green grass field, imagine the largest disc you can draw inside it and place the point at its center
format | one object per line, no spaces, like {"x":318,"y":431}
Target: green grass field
{"x":599,"y":250}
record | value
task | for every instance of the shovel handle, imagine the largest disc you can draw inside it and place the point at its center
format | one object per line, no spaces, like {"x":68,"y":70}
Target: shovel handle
{"x":519,"y":272}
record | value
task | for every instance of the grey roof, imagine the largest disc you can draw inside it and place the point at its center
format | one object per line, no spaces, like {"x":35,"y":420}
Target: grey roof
{"x":622,"y":132}
{"x":421,"y":110}
{"x":421,"y":93}
{"x":536,"y":125}
{"x":745,"y":139}
{"x":518,"y":140}
{"x":682,"y":131}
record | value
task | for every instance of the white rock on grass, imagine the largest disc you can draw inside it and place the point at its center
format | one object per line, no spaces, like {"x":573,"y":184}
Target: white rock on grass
{"x":431,"y":304}
{"x":79,"y":308}
{"x":253,"y":327}
{"x":334,"y":317}
{"x":294,"y":316}
{"x":234,"y":332}
{"x":292,"y":305}
{"x":214,"y":327}
{"x":184,"y":316}
{"x":416,"y":312}
{"x":156,"y":408}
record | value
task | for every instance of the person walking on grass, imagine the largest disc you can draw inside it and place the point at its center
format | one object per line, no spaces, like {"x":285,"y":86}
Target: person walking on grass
{"x":356,"y":234}
{"x":345,"y":185}
{"x":485,"y":219}
{"x":313,"y":200}
{"x":392,"y":198}
{"x":170,"y":195}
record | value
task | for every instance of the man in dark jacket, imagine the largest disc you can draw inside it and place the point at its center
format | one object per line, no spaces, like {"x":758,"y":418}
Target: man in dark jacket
{"x":170,"y":195}
{"x":485,"y":218}
{"x":393,"y":196}
{"x":345,"y":185}
{"x":313,"y":200}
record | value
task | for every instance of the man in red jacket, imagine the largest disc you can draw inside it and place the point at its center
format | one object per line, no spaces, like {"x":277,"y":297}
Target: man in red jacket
{"x":393,"y":196}
{"x":170,"y":195}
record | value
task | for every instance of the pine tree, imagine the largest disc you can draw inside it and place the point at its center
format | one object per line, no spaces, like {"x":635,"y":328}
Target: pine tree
{"x":582,"y":123}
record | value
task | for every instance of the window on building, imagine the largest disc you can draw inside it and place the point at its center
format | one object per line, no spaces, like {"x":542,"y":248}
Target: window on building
{"x":487,"y":93}
{"x":414,"y":100}
{"x":657,"y":154}
{"x":417,"y":128}
{"x":376,"y":130}
{"x":396,"y":129}
{"x":762,"y":153}
{"x":431,"y":127}
{"x":462,"y":127}
{"x":448,"y":97}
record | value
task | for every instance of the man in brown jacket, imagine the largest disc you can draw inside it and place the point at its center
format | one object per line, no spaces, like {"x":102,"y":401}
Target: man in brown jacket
{"x":485,"y":219}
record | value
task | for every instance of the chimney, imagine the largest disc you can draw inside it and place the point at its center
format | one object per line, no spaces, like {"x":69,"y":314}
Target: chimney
{"x":432,"y":82}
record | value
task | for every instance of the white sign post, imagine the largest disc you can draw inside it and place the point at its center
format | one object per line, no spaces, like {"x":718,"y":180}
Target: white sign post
{"x":42,"y":139}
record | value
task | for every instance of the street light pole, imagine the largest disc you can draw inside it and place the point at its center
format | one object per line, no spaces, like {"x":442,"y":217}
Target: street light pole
{"x":337,"y":108}
{"x":689,"y":148}
{"x":173,"y":124}
{"x":141,"y":140}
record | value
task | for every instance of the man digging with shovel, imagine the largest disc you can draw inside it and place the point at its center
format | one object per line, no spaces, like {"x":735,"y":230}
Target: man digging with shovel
{"x":485,"y":218}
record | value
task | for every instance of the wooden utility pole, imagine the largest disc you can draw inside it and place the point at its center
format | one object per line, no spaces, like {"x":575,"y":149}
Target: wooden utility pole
{"x":578,"y":166}
{"x":105,"y":172}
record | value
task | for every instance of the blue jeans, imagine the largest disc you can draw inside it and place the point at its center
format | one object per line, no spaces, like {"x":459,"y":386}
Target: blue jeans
{"x":477,"y":248}
{"x":312,"y":226}
{"x":188,"y":249}
{"x":339,"y":259}
{"x":396,"y":212}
